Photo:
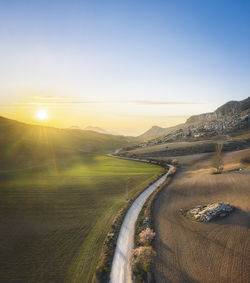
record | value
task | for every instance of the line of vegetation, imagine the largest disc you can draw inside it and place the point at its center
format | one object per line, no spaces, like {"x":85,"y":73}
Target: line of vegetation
{"x":144,"y":253}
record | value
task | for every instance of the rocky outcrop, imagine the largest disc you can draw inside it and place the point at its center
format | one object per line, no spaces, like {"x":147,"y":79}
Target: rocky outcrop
{"x":205,"y":213}
{"x":234,"y":114}
{"x":232,"y":110}
{"x":229,"y":117}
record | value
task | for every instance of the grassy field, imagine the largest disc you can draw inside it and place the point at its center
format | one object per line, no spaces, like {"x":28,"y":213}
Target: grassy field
{"x":204,"y":252}
{"x":53,"y":219}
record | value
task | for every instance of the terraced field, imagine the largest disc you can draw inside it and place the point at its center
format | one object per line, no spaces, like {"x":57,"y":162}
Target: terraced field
{"x":204,"y":252}
{"x":54,"y":219}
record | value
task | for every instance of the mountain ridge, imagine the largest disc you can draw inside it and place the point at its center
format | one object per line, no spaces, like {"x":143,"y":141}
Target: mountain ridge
{"x":101,"y":130}
{"x":230,"y":116}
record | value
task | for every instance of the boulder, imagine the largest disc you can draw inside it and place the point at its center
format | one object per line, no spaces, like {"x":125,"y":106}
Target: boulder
{"x":205,"y":213}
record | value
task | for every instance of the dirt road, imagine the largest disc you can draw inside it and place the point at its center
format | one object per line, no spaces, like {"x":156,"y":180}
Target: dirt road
{"x":121,"y":271}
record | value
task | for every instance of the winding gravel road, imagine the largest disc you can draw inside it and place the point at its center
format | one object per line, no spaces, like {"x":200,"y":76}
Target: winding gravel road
{"x":121,"y":270}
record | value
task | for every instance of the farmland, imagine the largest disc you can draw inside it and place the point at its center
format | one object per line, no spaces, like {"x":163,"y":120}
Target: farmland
{"x":54,"y":218}
{"x":204,"y":252}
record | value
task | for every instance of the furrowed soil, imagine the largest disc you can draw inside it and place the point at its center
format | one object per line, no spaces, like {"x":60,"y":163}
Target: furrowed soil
{"x":218,"y":251}
{"x":54,"y":219}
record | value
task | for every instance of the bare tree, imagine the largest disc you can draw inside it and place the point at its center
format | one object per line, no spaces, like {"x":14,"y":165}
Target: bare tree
{"x":218,"y":161}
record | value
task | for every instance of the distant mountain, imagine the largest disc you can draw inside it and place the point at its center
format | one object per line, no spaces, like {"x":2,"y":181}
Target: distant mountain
{"x":156,"y":132}
{"x":75,"y":128}
{"x":100,"y":130}
{"x":227,"y":118}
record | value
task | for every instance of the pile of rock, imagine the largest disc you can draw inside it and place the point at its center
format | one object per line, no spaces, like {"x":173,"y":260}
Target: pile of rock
{"x":205,"y":213}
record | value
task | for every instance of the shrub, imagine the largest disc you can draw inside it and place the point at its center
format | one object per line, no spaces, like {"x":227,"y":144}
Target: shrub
{"x":143,"y":261}
{"x":146,"y":236}
{"x":174,"y":162}
{"x":172,"y":171}
{"x":245,"y":160}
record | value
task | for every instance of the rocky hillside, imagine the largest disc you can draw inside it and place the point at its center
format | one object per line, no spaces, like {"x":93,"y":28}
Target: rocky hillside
{"x":229,"y":117}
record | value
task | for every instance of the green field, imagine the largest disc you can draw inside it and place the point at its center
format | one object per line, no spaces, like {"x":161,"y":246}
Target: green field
{"x":54,"y":219}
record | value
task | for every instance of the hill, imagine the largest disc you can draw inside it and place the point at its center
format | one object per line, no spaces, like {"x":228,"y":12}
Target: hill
{"x":59,"y":193}
{"x":30,"y":145}
{"x":156,"y":132}
{"x":232,"y":116}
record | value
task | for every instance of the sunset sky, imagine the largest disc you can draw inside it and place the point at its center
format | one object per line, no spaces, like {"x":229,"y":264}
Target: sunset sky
{"x":122,"y":65}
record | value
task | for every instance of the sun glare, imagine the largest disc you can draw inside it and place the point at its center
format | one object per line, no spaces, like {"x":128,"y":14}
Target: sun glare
{"x":41,"y":115}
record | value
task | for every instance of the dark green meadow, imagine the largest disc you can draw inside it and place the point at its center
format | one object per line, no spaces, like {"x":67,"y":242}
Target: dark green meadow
{"x":54,"y":218}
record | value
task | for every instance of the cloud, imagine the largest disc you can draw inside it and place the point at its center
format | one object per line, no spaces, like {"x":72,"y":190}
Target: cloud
{"x":53,"y":97}
{"x":156,"y":116}
{"x":144,"y":102}
{"x":63,"y":100}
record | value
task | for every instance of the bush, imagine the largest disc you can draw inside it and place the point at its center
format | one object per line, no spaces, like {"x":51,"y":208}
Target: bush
{"x":143,"y":261}
{"x":174,"y":162}
{"x":172,"y":171}
{"x":146,"y":236}
{"x":245,"y":160}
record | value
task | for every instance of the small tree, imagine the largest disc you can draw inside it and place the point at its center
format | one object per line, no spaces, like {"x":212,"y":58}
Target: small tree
{"x":174,"y":162}
{"x":146,"y":236}
{"x":218,"y":161}
{"x":172,"y":171}
{"x":143,"y":263}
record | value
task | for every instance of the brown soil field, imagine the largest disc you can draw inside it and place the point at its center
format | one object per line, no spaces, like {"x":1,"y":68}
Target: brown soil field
{"x":218,"y":251}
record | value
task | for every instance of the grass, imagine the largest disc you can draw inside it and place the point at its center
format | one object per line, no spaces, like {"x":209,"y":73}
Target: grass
{"x":54,"y":219}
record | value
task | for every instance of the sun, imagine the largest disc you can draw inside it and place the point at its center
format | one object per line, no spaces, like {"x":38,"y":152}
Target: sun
{"x":41,"y":115}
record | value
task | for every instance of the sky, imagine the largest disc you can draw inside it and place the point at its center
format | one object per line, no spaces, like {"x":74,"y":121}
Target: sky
{"x":122,"y":65}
